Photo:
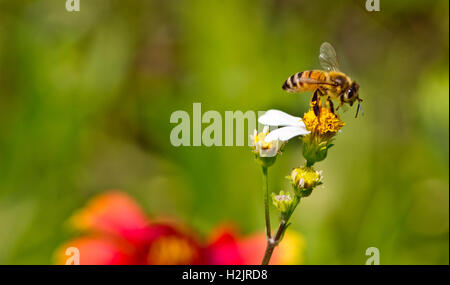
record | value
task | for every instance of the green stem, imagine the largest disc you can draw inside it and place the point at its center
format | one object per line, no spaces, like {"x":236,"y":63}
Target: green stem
{"x":266,"y":202}
{"x":272,"y":243}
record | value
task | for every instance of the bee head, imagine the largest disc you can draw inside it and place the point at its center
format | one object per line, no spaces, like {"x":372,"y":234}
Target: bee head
{"x":351,"y":95}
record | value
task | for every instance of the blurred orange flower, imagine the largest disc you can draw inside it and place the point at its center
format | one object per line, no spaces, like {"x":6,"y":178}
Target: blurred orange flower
{"x":118,"y":232}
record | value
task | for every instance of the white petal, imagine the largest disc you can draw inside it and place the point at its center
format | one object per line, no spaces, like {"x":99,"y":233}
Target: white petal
{"x":301,"y":182}
{"x":285,"y":133}
{"x":279,"y":118}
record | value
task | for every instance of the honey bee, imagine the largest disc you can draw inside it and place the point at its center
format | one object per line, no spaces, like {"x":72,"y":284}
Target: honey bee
{"x":329,"y":84}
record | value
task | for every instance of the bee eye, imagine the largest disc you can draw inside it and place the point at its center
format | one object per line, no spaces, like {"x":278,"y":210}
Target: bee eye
{"x":349,"y":94}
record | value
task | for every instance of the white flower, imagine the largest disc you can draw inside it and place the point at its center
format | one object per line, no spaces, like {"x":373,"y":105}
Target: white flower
{"x":262,"y":147}
{"x":292,"y":126}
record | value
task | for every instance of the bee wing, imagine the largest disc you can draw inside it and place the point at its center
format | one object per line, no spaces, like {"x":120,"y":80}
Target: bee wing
{"x":328,"y":58}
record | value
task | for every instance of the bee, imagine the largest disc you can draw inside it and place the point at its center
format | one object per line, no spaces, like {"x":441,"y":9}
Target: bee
{"x":329,"y":84}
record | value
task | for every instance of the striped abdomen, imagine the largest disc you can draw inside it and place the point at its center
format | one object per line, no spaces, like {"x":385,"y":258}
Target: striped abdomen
{"x":306,"y":81}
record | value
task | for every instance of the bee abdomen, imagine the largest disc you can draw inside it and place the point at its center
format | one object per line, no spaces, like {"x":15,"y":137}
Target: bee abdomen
{"x":292,"y":82}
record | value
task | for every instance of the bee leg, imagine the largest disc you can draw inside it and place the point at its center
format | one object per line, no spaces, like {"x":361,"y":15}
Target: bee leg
{"x":341,"y":102}
{"x":330,"y":103}
{"x":316,"y":110}
{"x":315,"y":101}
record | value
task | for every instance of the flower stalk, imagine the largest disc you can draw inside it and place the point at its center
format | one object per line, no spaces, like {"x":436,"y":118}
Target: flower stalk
{"x":265,"y":154}
{"x":266,"y":202}
{"x":317,"y":133}
{"x":284,"y":219}
{"x":272,"y":243}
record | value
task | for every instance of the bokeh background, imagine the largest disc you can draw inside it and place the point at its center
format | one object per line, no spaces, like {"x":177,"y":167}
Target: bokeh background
{"x":86,"y":97}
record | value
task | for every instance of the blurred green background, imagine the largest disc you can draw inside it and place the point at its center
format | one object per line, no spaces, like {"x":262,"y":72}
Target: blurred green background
{"x":86,"y":97}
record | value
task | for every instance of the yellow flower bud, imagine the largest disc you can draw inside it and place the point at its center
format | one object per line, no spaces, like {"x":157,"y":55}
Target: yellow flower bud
{"x":304,"y":179}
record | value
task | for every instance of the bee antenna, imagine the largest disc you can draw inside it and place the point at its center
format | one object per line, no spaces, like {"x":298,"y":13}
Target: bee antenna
{"x":359,"y":107}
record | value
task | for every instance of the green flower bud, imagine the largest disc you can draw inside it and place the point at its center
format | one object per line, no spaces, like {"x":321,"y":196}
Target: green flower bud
{"x":314,"y":149}
{"x":284,"y":203}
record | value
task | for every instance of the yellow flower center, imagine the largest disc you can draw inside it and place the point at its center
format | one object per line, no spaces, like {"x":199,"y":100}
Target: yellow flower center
{"x":259,"y":139}
{"x":326,"y":123}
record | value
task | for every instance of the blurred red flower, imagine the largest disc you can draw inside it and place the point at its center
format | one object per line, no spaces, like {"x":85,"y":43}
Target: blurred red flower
{"x":118,"y":232}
